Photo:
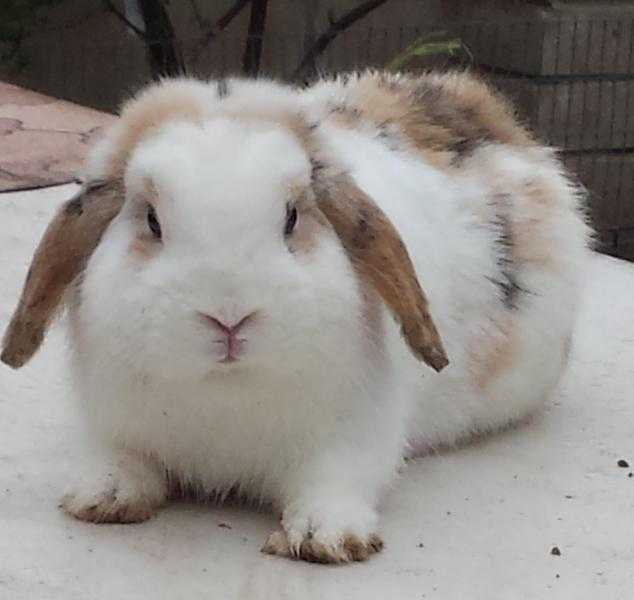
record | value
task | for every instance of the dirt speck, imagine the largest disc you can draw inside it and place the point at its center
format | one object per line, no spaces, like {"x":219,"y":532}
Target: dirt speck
{"x":555,"y":551}
{"x":224,"y":525}
{"x":623,"y":463}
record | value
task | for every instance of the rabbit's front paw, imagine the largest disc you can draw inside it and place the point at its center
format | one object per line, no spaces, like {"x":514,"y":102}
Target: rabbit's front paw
{"x":326,"y":536}
{"x":120,"y":496}
{"x":347,"y":549}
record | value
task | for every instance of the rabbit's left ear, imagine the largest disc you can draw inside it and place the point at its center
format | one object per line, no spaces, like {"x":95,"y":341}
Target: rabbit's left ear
{"x":69,"y":240}
{"x":379,"y":255}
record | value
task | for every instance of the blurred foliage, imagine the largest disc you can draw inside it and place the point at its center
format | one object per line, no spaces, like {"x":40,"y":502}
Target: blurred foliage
{"x":18,"y":18}
{"x":430,"y":45}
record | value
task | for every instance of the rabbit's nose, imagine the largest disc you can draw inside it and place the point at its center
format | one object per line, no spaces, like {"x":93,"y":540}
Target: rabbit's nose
{"x":225,"y":328}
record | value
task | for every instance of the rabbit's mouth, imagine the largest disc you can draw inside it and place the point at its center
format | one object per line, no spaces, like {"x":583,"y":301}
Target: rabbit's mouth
{"x":229,"y":349}
{"x":228,"y":345}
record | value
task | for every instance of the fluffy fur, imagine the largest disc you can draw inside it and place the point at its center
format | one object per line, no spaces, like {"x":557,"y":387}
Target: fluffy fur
{"x":325,"y":399}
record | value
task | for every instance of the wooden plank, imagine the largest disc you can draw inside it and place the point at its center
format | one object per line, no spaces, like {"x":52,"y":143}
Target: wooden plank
{"x":585,"y":114}
{"x":609,"y":178}
{"x":562,"y":42}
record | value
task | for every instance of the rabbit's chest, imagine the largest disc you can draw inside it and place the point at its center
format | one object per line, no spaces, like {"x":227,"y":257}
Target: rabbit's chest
{"x":223,"y":438}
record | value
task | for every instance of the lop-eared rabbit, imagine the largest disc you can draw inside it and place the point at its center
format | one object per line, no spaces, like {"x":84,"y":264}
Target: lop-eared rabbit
{"x":254,"y":275}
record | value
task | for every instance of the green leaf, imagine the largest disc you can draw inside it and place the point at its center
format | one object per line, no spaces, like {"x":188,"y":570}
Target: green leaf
{"x":427,"y":45}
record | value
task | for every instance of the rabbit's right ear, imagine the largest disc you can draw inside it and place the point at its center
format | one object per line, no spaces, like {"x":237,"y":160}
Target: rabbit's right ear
{"x":379,"y":254}
{"x":60,"y":257}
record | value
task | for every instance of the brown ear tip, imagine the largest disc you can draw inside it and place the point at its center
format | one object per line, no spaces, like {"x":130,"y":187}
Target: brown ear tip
{"x":437,"y":360}
{"x":434,"y":356}
{"x":19,"y":344}
{"x":12,"y":358}
{"x":431,"y":352}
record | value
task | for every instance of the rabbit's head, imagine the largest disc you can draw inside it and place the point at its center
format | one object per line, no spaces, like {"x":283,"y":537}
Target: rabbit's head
{"x":225,"y":240}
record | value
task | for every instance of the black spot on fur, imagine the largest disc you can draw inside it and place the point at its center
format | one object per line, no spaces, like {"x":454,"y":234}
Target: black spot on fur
{"x":462,"y":121}
{"x":391,"y":140}
{"x":317,"y":166}
{"x":362,"y":223}
{"x":462,"y":149}
{"x":469,"y":113}
{"x":74,"y":207}
{"x":364,"y":234}
{"x":352,"y":112}
{"x":428,"y":93}
{"x":511,"y":291}
{"x":507,"y":279}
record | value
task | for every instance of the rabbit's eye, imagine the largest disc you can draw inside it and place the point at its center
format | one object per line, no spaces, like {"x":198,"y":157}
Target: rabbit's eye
{"x":291,"y":220}
{"x":152,"y":222}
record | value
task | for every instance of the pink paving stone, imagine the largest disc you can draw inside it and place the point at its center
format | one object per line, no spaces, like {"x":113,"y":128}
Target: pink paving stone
{"x":43,"y":140}
{"x":8,"y":126}
{"x":12,"y":94}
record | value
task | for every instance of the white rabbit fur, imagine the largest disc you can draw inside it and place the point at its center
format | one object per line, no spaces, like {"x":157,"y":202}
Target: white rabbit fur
{"x":317,"y":416}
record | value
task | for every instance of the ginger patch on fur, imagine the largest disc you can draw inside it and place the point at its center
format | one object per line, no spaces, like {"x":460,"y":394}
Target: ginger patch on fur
{"x":157,"y":105}
{"x":495,"y":354}
{"x":445,"y":117}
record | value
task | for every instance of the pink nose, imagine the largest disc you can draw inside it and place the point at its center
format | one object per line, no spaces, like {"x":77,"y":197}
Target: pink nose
{"x":229,"y":330}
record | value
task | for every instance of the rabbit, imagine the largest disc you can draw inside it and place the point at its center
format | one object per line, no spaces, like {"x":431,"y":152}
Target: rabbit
{"x":254,"y":274}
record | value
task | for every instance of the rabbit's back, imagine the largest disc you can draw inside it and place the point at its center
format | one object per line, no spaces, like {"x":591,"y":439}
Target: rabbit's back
{"x":494,"y":227}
